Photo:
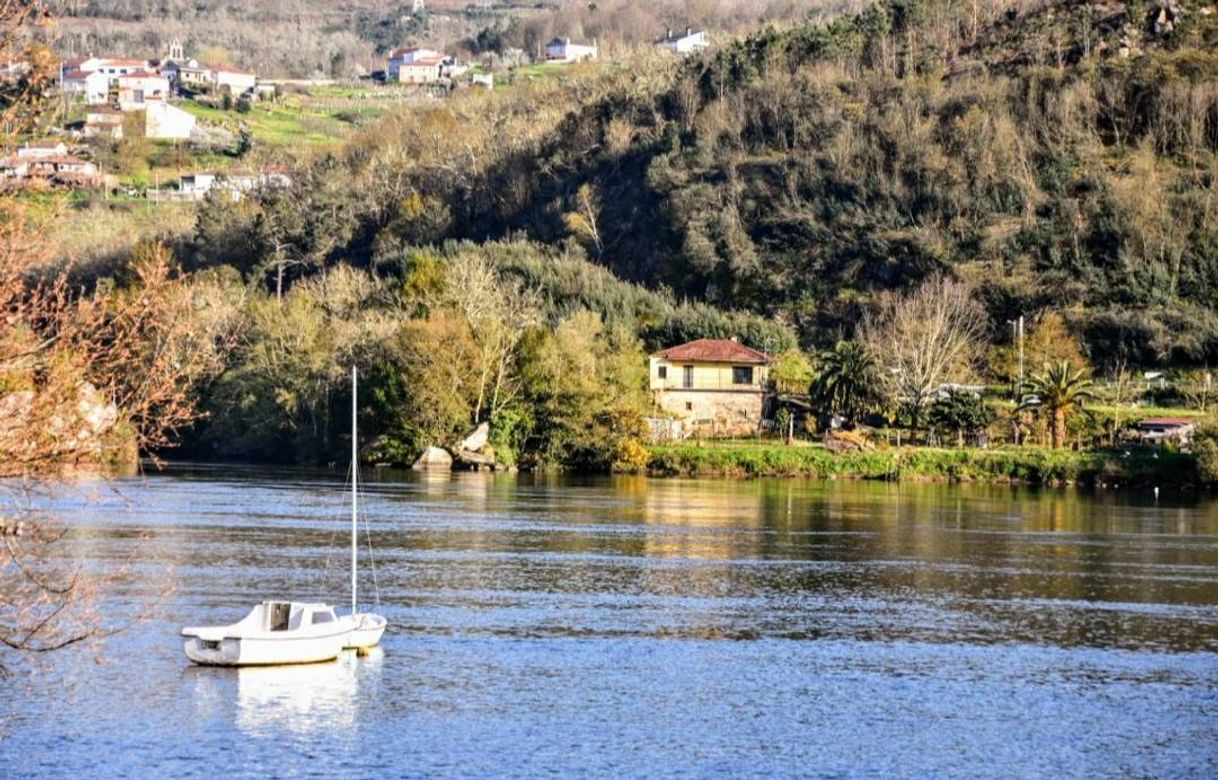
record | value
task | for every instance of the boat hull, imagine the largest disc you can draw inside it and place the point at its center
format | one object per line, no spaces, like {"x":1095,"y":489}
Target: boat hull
{"x":365,"y":631}
{"x":254,"y":651}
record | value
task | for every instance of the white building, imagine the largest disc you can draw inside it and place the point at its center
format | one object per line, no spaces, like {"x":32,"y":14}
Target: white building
{"x":570,"y":50}
{"x":162,"y":120}
{"x":238,"y":82}
{"x":35,"y":150}
{"x":686,"y":42}
{"x":91,"y":87}
{"x":401,"y":57}
{"x":136,"y":90}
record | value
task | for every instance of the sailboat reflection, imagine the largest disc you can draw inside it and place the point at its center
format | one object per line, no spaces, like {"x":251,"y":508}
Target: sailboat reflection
{"x":303,"y":699}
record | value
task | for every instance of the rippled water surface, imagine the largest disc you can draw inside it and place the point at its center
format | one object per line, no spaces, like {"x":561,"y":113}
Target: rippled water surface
{"x":633,"y":627}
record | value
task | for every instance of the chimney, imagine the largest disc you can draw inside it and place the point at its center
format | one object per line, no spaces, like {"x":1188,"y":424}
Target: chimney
{"x":688,"y":31}
{"x":735,"y":339}
{"x":668,"y":33}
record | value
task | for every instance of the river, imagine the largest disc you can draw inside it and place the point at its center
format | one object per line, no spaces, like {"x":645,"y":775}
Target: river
{"x":633,"y":627}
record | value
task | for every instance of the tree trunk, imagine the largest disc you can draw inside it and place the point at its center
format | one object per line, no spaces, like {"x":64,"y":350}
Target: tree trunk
{"x":1059,"y":427}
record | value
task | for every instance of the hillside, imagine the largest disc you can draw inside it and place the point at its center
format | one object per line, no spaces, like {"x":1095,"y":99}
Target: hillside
{"x":1065,"y":158}
{"x":338,"y":39}
{"x":1060,"y":158}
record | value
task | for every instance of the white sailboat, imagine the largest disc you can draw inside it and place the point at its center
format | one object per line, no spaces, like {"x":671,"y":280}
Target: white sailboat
{"x":294,"y":632}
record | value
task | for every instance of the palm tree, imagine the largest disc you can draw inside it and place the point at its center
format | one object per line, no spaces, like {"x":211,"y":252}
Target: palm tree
{"x":848,"y":383}
{"x":1060,"y":391}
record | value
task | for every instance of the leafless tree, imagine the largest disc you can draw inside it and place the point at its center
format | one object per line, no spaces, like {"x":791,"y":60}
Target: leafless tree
{"x":498,"y":311}
{"x":925,"y":339}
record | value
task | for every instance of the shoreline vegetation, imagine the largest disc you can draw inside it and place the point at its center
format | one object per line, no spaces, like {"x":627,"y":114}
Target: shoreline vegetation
{"x":1023,"y":255}
{"x":1025,"y":465}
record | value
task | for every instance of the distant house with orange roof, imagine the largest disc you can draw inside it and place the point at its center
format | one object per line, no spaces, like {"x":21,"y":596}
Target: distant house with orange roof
{"x":716,"y":385}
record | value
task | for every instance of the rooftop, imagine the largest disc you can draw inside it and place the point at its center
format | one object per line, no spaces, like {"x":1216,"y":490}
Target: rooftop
{"x":714,"y":351}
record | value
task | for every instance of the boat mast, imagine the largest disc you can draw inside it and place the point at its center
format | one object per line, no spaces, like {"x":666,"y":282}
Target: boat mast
{"x":354,"y":484}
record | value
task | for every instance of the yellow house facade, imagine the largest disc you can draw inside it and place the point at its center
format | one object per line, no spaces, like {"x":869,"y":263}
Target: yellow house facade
{"x":712,"y":385}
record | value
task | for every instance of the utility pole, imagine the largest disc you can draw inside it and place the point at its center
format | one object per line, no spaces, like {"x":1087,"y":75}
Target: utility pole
{"x":1021,"y":355}
{"x":1017,"y":337}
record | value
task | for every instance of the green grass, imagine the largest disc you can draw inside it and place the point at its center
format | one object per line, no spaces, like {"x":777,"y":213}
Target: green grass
{"x":1035,"y":465}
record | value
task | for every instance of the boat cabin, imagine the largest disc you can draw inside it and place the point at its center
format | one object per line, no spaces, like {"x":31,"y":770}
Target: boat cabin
{"x":290,"y":615}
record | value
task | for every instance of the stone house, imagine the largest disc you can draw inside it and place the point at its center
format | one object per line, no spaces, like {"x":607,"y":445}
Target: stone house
{"x":103,"y":121}
{"x":713,"y":386}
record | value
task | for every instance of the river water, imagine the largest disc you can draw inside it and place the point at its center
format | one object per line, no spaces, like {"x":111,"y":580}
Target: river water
{"x":629,"y":627}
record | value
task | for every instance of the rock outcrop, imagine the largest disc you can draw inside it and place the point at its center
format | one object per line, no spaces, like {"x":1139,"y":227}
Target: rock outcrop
{"x":434,"y":459}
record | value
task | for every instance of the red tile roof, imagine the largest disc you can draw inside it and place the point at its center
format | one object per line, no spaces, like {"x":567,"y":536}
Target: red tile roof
{"x":714,"y":351}
{"x":1167,"y":421}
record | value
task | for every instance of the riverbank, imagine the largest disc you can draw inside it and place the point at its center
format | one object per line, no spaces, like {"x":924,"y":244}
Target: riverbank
{"x":1027,"y":465}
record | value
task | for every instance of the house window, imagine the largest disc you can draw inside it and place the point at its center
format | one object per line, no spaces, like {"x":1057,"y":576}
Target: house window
{"x":687,"y":380}
{"x":742,"y":375}
{"x":663,"y":371}
{"x":689,"y":406}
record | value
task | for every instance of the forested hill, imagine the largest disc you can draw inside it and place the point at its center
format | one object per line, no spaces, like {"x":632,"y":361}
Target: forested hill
{"x":1065,"y":157}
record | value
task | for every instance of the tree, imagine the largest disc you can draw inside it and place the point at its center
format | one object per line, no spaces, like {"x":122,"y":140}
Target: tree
{"x":792,"y":372}
{"x":962,"y":412}
{"x":847,"y":383}
{"x":583,"y":221}
{"x":925,"y":339}
{"x":587,"y":385}
{"x":299,"y":225}
{"x":498,"y":311}
{"x":1059,"y":390}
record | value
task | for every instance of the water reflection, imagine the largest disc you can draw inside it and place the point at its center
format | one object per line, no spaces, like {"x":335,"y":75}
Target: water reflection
{"x":305,"y":700}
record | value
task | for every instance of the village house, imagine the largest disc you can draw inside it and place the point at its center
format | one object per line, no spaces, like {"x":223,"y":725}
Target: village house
{"x":190,"y":74}
{"x":103,"y":121}
{"x":400,"y":57}
{"x":137,"y":89}
{"x":236,"y":81}
{"x":45,"y":148}
{"x":570,"y":50}
{"x":167,"y":122}
{"x":13,"y":168}
{"x":421,"y":70}
{"x":90,"y":87}
{"x":712,"y":385}
{"x":59,"y":169}
{"x":1162,"y":430}
{"x":187,"y":74}
{"x":683,"y":43}
{"x":195,"y":186}
{"x":112,"y":67}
